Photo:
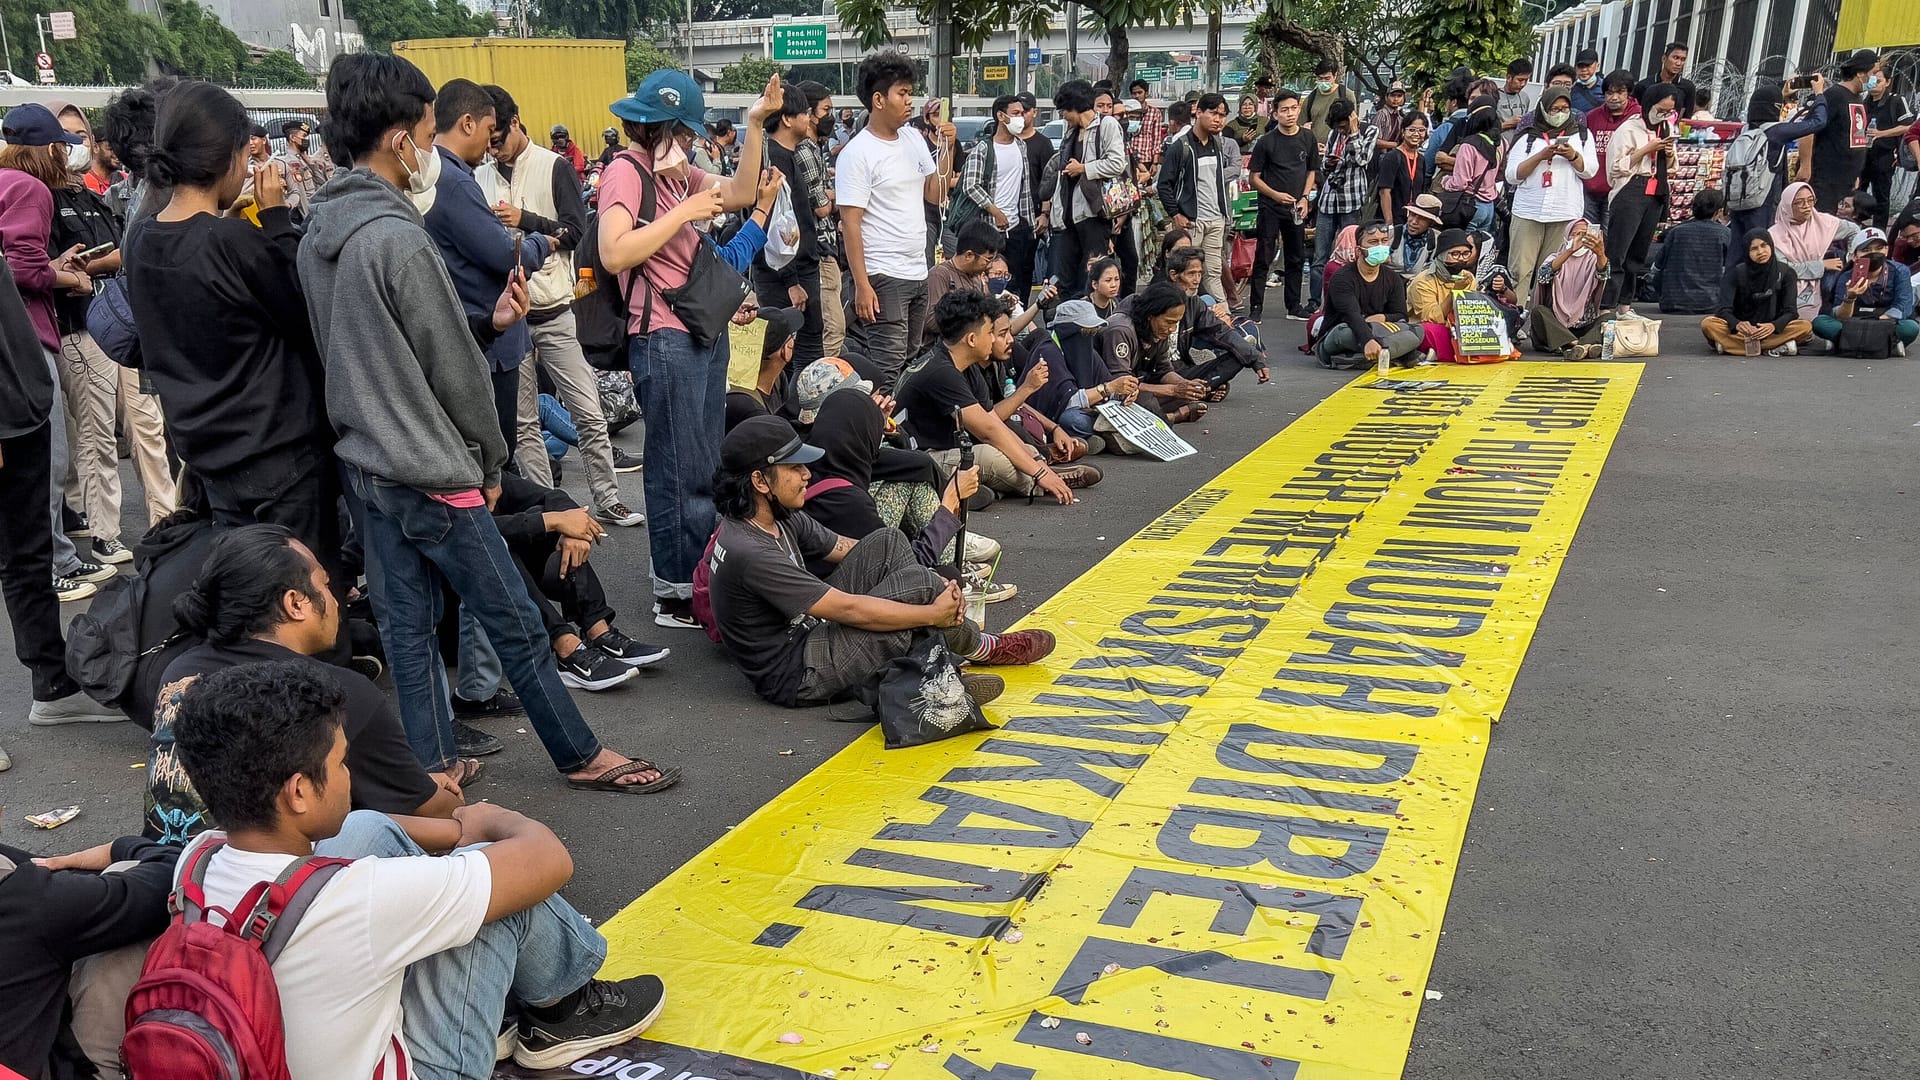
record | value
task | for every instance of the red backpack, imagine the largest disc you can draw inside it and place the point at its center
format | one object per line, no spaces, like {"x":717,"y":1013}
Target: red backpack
{"x":206,"y":1006}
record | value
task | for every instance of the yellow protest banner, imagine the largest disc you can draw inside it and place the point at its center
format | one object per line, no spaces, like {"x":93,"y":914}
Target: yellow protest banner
{"x":1215,"y":833}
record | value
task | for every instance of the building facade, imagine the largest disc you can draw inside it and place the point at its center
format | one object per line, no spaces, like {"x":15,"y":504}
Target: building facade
{"x":1735,"y":41}
{"x":314,"y":31}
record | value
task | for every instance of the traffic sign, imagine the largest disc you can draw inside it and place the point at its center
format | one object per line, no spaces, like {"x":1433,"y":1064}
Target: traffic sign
{"x":1034,"y":55}
{"x":794,"y":42}
{"x":60,"y":24}
{"x":44,"y":61}
{"x":996,"y":73}
{"x":1235,"y":78}
{"x":1151,"y":75}
{"x":1187,"y":71}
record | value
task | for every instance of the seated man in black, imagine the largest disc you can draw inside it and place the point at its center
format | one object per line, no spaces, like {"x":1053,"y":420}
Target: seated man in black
{"x":805,"y":641}
{"x":1138,"y":341}
{"x":551,"y":537}
{"x":768,"y":394}
{"x":61,"y":922}
{"x":946,"y":382}
{"x":1366,"y":307}
{"x":262,"y":596}
{"x":1209,"y":324}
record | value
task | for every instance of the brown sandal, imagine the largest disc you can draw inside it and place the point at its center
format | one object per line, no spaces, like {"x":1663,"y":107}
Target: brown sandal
{"x":465,"y":771}
{"x":610,"y":780}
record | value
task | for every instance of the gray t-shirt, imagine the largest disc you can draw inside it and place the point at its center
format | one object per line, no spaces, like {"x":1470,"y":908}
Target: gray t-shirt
{"x":761,"y":590}
{"x":1206,"y":182}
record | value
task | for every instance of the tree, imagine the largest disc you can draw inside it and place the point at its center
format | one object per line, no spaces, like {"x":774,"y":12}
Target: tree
{"x":1483,"y":35}
{"x":617,"y":20}
{"x":644,"y":58}
{"x":278,"y":68}
{"x":114,"y":45}
{"x":974,"y":21}
{"x":203,"y":46}
{"x":747,"y":75}
{"x":383,"y":22}
{"x":1363,"y":35}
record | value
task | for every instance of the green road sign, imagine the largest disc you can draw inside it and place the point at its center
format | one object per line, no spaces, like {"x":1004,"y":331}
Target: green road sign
{"x":1234,"y":78}
{"x":1151,"y":75}
{"x":1187,"y":71}
{"x":795,"y":42}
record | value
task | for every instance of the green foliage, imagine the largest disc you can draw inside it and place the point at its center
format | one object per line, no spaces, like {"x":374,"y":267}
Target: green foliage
{"x":1369,"y":33}
{"x":203,"y":47}
{"x":384,"y":22}
{"x":973,"y":20}
{"x":114,"y":44}
{"x":644,"y":58}
{"x":747,"y":75}
{"x":278,"y":68}
{"x":615,"y":20}
{"x":1483,"y":35}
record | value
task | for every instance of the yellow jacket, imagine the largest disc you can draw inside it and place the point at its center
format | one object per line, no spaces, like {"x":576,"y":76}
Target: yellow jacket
{"x":1429,"y":299}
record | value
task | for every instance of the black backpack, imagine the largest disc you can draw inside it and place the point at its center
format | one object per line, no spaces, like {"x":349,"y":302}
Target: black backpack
{"x":600,"y":317}
{"x":103,"y":644}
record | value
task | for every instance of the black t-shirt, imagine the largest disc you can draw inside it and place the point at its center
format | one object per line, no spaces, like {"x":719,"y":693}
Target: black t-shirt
{"x":761,"y":591}
{"x":1039,"y":152}
{"x":1283,"y":161}
{"x":1840,"y":148}
{"x":1393,"y":174}
{"x":740,"y":405}
{"x":79,"y":217}
{"x":1887,"y":111}
{"x":930,"y":390}
{"x":386,"y":775}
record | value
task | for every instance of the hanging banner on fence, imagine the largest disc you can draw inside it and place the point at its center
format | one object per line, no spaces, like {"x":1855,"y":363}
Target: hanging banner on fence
{"x":1479,"y":330}
{"x":1142,"y":428}
{"x":1214,"y":834}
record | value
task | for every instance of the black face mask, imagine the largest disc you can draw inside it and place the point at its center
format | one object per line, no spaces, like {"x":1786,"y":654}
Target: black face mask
{"x":1456,"y":269}
{"x":1875,"y":262}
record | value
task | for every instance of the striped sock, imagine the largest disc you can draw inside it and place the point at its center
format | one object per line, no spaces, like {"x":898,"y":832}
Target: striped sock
{"x":987,"y":642}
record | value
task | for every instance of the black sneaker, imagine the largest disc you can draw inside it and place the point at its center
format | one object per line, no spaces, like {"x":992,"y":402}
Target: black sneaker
{"x":74,"y":523}
{"x":625,"y":462}
{"x":590,"y":669}
{"x":373,"y":667}
{"x":110,"y":552}
{"x":678,"y":614}
{"x":91,"y":571}
{"x":470,"y":741}
{"x":628,"y":651}
{"x":603,"y":1014}
{"x":502,"y":704}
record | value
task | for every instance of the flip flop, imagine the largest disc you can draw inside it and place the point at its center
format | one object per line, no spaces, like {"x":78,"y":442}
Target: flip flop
{"x":465,"y":771}
{"x":610,"y":780}
{"x":1219,"y":393}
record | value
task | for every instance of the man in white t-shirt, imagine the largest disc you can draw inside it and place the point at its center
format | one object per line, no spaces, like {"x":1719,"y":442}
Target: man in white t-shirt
{"x":884,"y":178}
{"x":405,"y":963}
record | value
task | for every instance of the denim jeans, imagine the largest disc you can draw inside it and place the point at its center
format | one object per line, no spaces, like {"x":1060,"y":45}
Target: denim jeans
{"x":1077,"y":420}
{"x":480,"y":670}
{"x":414,"y":542}
{"x":66,"y":557}
{"x":453,"y":1001}
{"x":682,"y":389}
{"x":1326,"y":229}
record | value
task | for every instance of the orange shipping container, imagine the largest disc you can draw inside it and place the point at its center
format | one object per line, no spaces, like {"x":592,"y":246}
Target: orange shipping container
{"x":553,"y":80}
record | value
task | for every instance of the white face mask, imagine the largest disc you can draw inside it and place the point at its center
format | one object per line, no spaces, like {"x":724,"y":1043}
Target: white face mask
{"x":78,"y":157}
{"x":1016,"y":124}
{"x":423,"y":171}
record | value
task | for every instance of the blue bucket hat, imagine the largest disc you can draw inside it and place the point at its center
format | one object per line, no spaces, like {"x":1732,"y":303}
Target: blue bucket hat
{"x":665,"y":95}
{"x":34,"y":125}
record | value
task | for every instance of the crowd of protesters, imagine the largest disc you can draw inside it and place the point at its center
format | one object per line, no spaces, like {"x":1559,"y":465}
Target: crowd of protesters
{"x":348,"y":380}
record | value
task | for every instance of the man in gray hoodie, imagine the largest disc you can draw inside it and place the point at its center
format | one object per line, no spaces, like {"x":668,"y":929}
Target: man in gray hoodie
{"x":409,"y":393}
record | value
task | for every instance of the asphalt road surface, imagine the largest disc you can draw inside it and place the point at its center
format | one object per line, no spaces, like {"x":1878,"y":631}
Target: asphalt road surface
{"x":1689,"y":856}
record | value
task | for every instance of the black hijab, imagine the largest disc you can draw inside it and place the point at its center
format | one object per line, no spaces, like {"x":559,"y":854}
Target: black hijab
{"x":847,"y":429}
{"x":1483,"y":123}
{"x":1765,"y":105}
{"x":1757,"y":279}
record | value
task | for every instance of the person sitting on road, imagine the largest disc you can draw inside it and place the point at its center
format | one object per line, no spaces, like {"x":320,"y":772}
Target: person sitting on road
{"x":1430,"y":292}
{"x":1138,"y":342}
{"x":551,"y":538}
{"x":766,"y":395}
{"x":1693,"y":257}
{"x":943,"y":391}
{"x":1076,"y":378}
{"x":1884,"y":296}
{"x":802,"y":640}
{"x":74,"y":929}
{"x":261,"y":596}
{"x":1103,"y":282}
{"x":1565,"y":314}
{"x":1367,"y":308}
{"x":1758,"y":310}
{"x":1055,"y":444}
{"x":1208,"y":323}
{"x":436,"y":947}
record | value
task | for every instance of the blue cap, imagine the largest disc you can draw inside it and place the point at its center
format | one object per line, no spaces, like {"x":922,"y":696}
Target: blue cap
{"x":33,"y":125}
{"x":665,"y":95}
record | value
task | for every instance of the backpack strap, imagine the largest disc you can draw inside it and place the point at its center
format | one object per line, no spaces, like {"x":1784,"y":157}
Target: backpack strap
{"x":831,"y":483}
{"x":188,"y":901}
{"x":287,"y":899}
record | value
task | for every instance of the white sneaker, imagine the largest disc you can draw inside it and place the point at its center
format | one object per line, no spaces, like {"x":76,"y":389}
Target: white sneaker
{"x":70,"y":591}
{"x":1428,"y":357}
{"x":75,"y":708}
{"x":1788,"y":349}
{"x":5,"y":761}
{"x":981,"y":549}
{"x":979,"y":585}
{"x":1899,"y":347}
{"x":618,"y":513}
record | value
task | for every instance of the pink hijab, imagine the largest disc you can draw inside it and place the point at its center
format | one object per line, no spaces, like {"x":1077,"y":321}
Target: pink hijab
{"x":1807,"y":241}
{"x":1575,"y":285}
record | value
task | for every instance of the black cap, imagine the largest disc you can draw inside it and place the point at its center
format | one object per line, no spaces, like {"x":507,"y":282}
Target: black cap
{"x":782,"y":325}
{"x":32,"y":125}
{"x":1587,"y":56}
{"x":259,"y":131}
{"x":287,"y":126}
{"x":760,"y":441}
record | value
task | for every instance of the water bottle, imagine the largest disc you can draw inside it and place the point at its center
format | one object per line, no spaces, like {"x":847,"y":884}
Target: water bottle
{"x":1606,"y":341}
{"x":1383,"y":366}
{"x":1006,"y":388}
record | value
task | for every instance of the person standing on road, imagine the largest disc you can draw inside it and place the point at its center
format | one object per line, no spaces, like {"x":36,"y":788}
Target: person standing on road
{"x":1831,"y":160}
{"x":995,"y":182}
{"x":530,"y":189}
{"x":1328,"y":91}
{"x":563,"y":144}
{"x":1283,"y":171}
{"x":408,"y":391}
{"x":1517,"y":98}
{"x":1345,"y":169}
{"x":1586,"y":81}
{"x":1673,"y":69}
{"x":1616,"y":106}
{"x":1094,"y":150}
{"x":1888,"y":117}
{"x":814,"y":195}
{"x":306,"y":173}
{"x":1547,"y":167}
{"x":1767,"y":111}
{"x":1637,"y":162}
{"x":795,"y":283}
{"x":1194,"y":186}
{"x":885,"y":178}
{"x":681,"y":384}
